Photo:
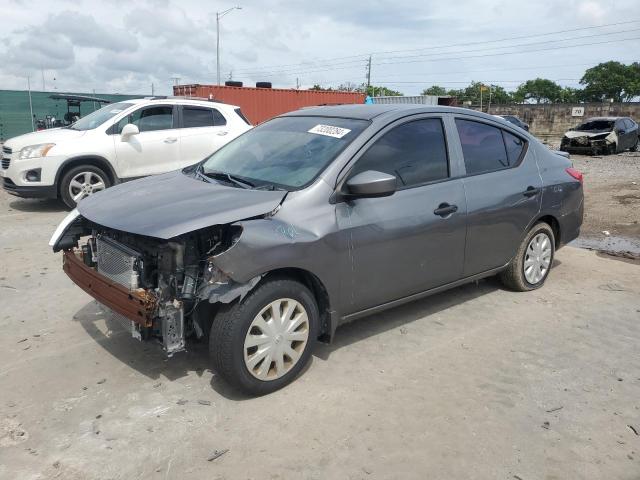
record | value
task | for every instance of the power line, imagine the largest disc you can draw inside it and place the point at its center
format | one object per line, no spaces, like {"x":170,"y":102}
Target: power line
{"x":456,"y":58}
{"x":332,"y":60}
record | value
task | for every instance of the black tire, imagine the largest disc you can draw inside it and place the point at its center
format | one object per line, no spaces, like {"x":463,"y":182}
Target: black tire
{"x":513,"y":277}
{"x":68,"y":176}
{"x":636,"y":146}
{"x":263,"y":84}
{"x":232,"y":322}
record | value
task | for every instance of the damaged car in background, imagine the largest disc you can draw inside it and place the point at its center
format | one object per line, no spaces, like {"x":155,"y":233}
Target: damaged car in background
{"x":316,"y":218}
{"x":602,"y":136}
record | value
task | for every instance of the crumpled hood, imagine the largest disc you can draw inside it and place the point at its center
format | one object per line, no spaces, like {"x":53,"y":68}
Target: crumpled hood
{"x":168,"y":205}
{"x":53,"y":135}
{"x":582,"y":133}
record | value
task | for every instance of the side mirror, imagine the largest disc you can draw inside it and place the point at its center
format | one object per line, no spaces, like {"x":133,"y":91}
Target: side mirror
{"x":371,"y":184}
{"x":128,"y":130}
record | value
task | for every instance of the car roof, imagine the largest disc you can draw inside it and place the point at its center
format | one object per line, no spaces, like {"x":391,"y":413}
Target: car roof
{"x":607,"y":119}
{"x":178,"y":101}
{"x":369,"y":112}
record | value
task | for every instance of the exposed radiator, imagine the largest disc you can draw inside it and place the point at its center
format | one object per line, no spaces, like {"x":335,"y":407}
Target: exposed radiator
{"x":118,"y":262}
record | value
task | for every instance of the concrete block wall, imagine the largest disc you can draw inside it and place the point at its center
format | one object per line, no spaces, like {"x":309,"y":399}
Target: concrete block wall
{"x":549,"y":121}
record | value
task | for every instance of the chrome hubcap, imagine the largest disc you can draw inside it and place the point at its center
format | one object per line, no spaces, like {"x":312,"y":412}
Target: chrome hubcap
{"x":276,"y":339}
{"x":85,"y":184}
{"x":537,"y":258}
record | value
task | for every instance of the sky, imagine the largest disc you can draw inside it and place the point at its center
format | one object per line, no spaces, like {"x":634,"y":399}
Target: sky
{"x":122,"y":46}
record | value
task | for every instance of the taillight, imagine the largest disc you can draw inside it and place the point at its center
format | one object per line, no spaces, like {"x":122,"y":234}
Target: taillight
{"x":575,"y":174}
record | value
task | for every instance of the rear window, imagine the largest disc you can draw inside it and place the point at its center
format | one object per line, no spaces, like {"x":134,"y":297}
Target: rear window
{"x":241,"y":115}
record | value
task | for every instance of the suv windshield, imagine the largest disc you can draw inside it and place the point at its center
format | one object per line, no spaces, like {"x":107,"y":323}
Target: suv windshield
{"x":287,"y":152}
{"x":597,"y":125}
{"x":97,"y":118}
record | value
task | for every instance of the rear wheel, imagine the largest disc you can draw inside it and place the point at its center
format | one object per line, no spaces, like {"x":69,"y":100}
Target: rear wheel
{"x":636,"y":146}
{"x":80,"y":182}
{"x":260,"y":344}
{"x":530,"y":267}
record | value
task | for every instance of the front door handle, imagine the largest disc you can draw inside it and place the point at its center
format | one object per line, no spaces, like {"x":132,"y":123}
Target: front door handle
{"x":222,"y":134}
{"x":531,"y":191}
{"x":444,"y":209}
{"x":170,"y":140}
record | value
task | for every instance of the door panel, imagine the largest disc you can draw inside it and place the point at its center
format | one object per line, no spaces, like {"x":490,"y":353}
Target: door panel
{"x":503,"y":190}
{"x":204,"y":131}
{"x":398,"y":246}
{"x":155,"y":149}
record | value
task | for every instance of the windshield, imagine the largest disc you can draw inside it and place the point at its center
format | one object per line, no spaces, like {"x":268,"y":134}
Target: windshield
{"x":288,"y":152}
{"x":97,"y":118}
{"x":597,"y":125}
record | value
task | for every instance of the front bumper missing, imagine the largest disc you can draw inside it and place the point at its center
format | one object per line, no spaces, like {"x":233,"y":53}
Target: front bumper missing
{"x":138,"y":306}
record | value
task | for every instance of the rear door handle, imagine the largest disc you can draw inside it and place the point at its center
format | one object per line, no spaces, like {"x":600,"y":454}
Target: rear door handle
{"x":444,"y":209}
{"x":170,"y":140}
{"x":531,"y":191}
{"x":222,"y":134}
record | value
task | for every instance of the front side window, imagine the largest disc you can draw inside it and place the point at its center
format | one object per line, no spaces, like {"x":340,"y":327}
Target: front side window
{"x":288,"y":152}
{"x":97,"y":118}
{"x":153,"y":118}
{"x":483,"y":147}
{"x":414,"y":152}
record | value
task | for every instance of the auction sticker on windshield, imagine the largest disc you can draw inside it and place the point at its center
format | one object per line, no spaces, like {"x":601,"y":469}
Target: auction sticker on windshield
{"x":329,"y":131}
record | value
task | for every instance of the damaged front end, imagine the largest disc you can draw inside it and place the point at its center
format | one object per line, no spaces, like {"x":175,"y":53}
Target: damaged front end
{"x":588,"y":143}
{"x":164,"y":289}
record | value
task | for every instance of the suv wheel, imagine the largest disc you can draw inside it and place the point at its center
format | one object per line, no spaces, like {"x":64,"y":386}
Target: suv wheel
{"x":530,"y":267}
{"x":80,"y":182}
{"x":260,"y":344}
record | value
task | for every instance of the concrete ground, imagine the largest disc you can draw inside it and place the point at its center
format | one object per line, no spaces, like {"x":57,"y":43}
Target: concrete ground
{"x":475,"y":383}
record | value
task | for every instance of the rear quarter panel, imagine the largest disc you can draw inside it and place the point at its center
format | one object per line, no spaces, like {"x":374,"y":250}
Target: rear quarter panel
{"x":562,"y":195}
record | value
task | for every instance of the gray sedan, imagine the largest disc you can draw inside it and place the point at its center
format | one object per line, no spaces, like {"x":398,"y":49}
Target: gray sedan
{"x":316,"y":218}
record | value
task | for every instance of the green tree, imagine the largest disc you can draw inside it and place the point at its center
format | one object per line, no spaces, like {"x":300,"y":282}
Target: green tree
{"x":380,"y":91}
{"x":612,"y":80}
{"x":318,"y":87}
{"x":435,"y":90}
{"x":571,"y":95}
{"x":477,"y":91}
{"x":541,"y":90}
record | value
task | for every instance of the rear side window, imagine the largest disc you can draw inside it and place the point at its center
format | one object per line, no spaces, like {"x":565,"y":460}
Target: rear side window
{"x":193,"y":117}
{"x":515,"y":146}
{"x":487,"y":148}
{"x":414,"y":152}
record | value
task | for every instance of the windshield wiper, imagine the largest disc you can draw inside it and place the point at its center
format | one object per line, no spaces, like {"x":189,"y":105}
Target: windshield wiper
{"x":217,"y":174}
{"x":200,"y":175}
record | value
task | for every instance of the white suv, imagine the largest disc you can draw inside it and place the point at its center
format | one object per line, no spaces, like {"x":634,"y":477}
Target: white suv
{"x":119,"y":142}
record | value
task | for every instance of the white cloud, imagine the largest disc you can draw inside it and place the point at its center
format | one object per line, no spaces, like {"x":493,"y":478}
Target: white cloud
{"x":123,"y":46}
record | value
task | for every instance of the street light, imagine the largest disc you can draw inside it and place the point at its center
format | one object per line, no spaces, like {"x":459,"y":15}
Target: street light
{"x":219,"y":15}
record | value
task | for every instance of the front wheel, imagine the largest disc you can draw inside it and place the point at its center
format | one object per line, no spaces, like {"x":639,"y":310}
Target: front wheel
{"x":80,"y":182}
{"x":261,"y":343}
{"x":530,"y":267}
{"x":636,"y":146}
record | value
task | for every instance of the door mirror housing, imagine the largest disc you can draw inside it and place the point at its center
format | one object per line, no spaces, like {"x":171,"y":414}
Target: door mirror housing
{"x":370,"y":184}
{"x":128,"y":130}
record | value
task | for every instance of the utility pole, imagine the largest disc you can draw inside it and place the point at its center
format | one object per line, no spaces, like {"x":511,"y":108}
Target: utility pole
{"x":152,"y":92}
{"x":368,"y":74}
{"x":219,"y":15}
{"x":42,"y":71}
{"x":297,"y":83}
{"x":481,"y":97}
{"x":33,"y":128}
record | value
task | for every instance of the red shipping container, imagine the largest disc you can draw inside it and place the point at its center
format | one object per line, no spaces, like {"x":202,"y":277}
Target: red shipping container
{"x":260,"y":104}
